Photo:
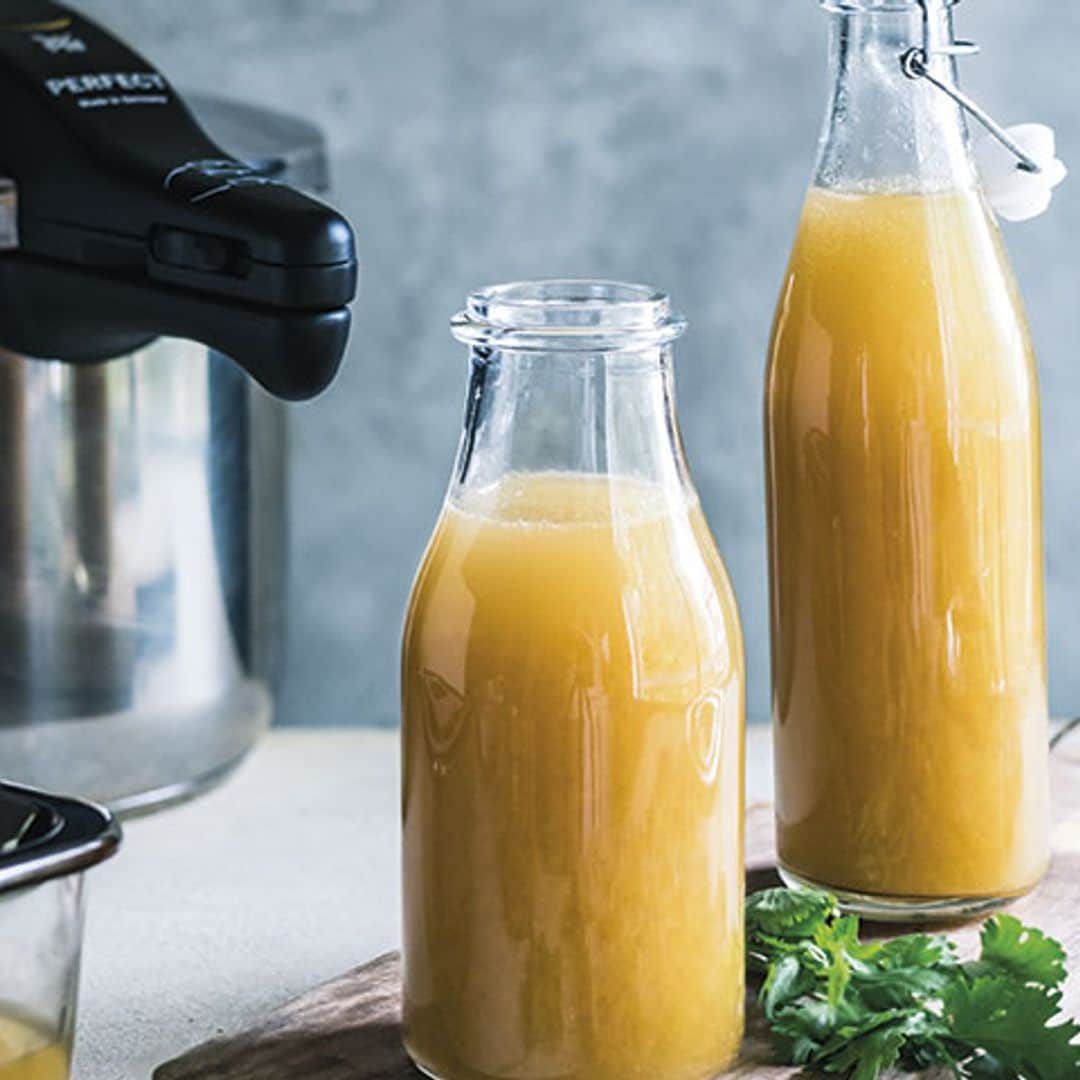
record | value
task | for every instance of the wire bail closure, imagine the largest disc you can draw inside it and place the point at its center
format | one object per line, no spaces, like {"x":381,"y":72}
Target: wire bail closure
{"x":916,"y":62}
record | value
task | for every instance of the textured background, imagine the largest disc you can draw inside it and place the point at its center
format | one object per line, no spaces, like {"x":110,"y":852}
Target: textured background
{"x":658,"y":140}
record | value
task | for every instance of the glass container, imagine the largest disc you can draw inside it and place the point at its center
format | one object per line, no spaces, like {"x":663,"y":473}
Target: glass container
{"x":46,"y":843}
{"x":904,"y":497}
{"x":572,"y":716}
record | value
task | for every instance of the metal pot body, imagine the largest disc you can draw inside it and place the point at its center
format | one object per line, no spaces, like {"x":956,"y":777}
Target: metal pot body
{"x":142,"y":556}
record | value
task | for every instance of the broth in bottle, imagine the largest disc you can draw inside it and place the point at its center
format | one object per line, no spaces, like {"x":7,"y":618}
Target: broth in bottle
{"x":904,"y":482}
{"x":572,"y":719}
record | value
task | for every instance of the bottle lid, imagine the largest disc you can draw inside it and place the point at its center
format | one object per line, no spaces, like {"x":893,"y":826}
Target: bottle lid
{"x":1018,"y":164}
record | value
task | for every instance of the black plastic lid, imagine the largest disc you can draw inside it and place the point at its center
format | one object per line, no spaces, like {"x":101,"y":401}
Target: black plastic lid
{"x":125,"y":221}
{"x":43,"y":837}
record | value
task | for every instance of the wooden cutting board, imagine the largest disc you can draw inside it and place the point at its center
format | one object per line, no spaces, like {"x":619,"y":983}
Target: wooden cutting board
{"x":348,"y":1029}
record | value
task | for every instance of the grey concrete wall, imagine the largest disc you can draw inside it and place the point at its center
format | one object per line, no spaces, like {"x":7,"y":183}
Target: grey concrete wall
{"x":658,"y":140}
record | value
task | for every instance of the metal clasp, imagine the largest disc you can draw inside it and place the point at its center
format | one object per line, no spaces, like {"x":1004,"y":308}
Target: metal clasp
{"x":916,"y":62}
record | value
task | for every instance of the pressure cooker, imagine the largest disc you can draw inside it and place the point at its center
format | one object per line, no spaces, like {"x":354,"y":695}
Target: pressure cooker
{"x":159,"y":297}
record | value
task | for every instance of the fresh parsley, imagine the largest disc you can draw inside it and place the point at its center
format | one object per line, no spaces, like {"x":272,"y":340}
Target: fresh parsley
{"x":837,"y":1004}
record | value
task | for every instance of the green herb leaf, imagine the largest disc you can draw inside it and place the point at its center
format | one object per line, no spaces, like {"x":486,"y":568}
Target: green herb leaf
{"x":870,"y":1055}
{"x":788,"y":913}
{"x":802,"y":1030}
{"x":1012,"y":1023}
{"x":916,"y":951}
{"x":908,"y":969}
{"x":843,"y":1006}
{"x":1022,"y":952}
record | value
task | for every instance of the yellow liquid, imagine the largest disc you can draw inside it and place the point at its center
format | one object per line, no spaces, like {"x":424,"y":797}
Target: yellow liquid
{"x":909,"y":674}
{"x":573,"y":792}
{"x":27,"y":1054}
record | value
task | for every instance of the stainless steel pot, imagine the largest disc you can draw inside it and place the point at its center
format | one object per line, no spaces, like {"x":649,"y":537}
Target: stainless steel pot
{"x":142,"y":547}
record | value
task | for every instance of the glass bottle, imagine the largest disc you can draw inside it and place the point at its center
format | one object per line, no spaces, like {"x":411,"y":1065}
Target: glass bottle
{"x":572,"y":716}
{"x":904,"y":497}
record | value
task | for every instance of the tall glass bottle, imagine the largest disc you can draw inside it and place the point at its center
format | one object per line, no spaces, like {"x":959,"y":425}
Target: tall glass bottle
{"x":572,"y":686}
{"x":903,"y":462}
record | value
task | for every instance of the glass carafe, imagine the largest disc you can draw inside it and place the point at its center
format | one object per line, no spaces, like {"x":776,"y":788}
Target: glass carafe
{"x":572,"y":717}
{"x":903,"y":460}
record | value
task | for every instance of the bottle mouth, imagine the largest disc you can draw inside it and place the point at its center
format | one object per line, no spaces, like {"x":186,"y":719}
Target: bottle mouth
{"x":568,"y":315}
{"x":878,"y":7}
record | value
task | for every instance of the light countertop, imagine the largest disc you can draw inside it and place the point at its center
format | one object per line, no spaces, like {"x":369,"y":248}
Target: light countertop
{"x":217,"y":911}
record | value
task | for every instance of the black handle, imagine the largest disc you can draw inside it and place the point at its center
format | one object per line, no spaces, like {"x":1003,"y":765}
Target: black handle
{"x":292,"y":354}
{"x":133,"y":223}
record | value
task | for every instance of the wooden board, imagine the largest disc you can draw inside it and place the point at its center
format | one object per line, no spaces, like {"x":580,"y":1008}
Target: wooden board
{"x":348,"y":1029}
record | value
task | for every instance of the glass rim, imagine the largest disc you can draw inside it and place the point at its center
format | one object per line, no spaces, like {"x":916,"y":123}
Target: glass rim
{"x":568,"y":314}
{"x":877,"y":7}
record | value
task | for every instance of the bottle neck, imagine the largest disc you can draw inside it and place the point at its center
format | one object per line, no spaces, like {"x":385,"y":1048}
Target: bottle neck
{"x":885,"y":131}
{"x":601,"y":414}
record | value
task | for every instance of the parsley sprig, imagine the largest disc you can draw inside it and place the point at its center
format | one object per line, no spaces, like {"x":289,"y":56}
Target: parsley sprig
{"x":842,"y":1005}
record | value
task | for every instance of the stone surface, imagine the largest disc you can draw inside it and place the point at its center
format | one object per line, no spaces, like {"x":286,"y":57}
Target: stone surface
{"x":350,"y":1027}
{"x":479,"y":140}
{"x":216,"y":913}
